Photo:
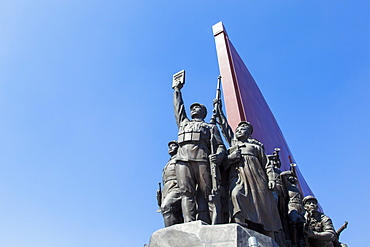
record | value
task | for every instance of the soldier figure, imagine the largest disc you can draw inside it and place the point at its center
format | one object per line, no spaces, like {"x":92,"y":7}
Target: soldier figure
{"x":196,"y":139}
{"x":280,"y":193}
{"x":319,"y":228}
{"x":281,"y":196}
{"x":276,"y":164}
{"x":295,"y":211}
{"x":171,"y":199}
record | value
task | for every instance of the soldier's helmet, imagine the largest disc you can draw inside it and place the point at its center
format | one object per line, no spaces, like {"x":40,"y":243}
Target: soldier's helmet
{"x":308,"y":198}
{"x":173,"y":142}
{"x":201,"y":106}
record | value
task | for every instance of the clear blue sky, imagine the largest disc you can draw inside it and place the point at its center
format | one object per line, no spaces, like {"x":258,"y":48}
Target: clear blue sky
{"x":86,"y":107}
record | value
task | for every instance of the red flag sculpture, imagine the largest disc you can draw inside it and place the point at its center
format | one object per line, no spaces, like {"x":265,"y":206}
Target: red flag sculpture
{"x":245,"y":102}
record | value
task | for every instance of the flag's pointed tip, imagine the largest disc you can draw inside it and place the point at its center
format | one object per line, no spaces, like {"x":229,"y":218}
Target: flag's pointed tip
{"x":218,"y":28}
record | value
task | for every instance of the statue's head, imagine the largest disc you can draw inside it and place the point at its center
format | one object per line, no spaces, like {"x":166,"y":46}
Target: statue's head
{"x":310,"y":203}
{"x":244,"y":130}
{"x":292,"y":180}
{"x":198,"y":111}
{"x":172,"y":147}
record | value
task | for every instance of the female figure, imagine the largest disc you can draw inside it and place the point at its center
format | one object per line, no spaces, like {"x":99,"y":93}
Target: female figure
{"x":251,"y":179}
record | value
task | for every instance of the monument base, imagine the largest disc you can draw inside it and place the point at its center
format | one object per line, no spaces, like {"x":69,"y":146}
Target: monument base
{"x":200,"y":234}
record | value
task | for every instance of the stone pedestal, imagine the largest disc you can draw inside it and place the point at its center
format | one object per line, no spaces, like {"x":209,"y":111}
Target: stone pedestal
{"x":200,"y":234}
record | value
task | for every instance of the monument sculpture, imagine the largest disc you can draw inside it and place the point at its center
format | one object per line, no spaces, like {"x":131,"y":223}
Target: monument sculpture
{"x":251,"y":179}
{"x":244,"y":192}
{"x":294,"y":210}
{"x":280,"y":192}
{"x":260,"y":198}
{"x":318,"y":228}
{"x":169,"y":199}
{"x":200,"y":145}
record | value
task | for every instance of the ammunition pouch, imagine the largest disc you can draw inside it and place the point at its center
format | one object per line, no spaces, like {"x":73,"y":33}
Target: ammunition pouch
{"x":191,"y":132}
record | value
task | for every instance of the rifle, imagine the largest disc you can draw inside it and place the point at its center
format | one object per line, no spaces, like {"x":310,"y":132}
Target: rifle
{"x":213,"y":167}
{"x":340,"y":230}
{"x":217,"y":99}
{"x":159,"y":197}
{"x":214,"y":170}
{"x":215,"y":196}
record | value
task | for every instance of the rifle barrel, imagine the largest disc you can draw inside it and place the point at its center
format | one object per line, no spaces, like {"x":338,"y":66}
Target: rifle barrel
{"x":344,"y":226}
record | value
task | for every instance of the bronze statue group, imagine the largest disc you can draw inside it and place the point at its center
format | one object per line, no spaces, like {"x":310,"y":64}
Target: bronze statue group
{"x":205,"y":181}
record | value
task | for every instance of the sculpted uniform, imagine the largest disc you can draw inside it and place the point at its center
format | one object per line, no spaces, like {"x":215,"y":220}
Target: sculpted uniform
{"x":250,"y":196}
{"x":321,"y":223}
{"x":294,"y":197}
{"x":281,"y":196}
{"x":294,"y":211}
{"x":171,"y":199}
{"x":193,"y":169}
{"x":295,"y":202}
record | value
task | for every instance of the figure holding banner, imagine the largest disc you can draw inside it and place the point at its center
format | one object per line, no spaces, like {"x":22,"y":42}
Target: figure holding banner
{"x":251,"y":180}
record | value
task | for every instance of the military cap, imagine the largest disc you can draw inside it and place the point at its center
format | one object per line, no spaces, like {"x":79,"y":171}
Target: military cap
{"x":173,"y":142}
{"x":201,"y":106}
{"x":309,"y":198}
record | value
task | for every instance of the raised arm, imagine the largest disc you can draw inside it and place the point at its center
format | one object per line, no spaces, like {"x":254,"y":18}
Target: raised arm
{"x":178,"y":106}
